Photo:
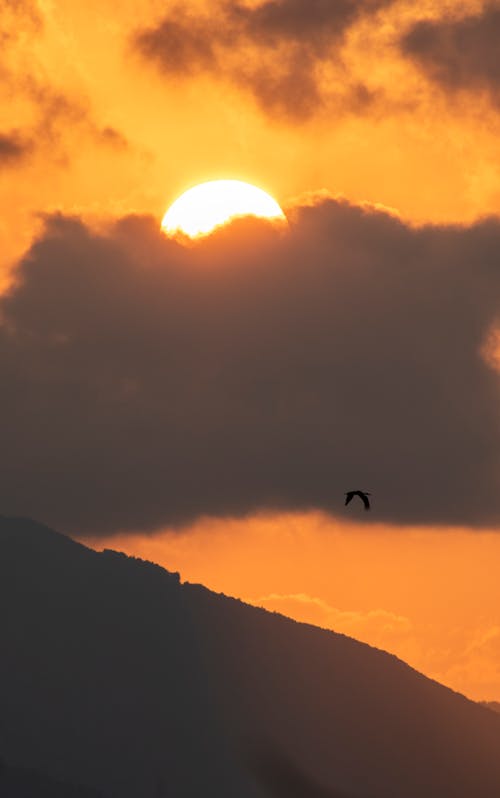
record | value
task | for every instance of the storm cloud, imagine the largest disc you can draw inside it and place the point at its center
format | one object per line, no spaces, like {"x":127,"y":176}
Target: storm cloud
{"x":147,"y":384}
{"x":277,"y":51}
{"x":459,"y":54}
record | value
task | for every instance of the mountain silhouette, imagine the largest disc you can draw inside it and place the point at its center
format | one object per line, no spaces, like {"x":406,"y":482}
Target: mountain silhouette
{"x":117,"y":677}
{"x":493,"y":705}
{"x":25,"y":783}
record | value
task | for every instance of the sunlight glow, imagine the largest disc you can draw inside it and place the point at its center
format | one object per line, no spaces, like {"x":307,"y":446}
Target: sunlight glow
{"x":201,"y":209}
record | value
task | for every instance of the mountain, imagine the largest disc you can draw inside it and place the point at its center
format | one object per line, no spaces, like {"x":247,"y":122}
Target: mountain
{"x":24,"y":783}
{"x":493,"y":705}
{"x":117,"y":677}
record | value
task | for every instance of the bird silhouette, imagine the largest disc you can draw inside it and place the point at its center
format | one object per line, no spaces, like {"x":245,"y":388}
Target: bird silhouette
{"x":363,"y":495}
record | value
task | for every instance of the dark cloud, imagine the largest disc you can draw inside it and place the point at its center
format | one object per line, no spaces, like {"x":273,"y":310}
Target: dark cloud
{"x":314,"y":25}
{"x":145,"y":383}
{"x":275,"y":50}
{"x":13,"y":148}
{"x":181,"y":46}
{"x":459,"y":54}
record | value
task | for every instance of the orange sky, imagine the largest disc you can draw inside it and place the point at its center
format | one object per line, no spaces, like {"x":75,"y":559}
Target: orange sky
{"x":430,"y":597}
{"x":107,"y":134}
{"x":71,"y":73}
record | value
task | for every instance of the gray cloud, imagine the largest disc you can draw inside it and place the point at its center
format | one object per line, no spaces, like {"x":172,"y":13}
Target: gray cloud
{"x":289,"y":40}
{"x":147,"y":384}
{"x":459,"y":54}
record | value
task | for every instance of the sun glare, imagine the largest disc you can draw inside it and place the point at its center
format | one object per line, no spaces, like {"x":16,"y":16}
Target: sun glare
{"x":201,"y":209}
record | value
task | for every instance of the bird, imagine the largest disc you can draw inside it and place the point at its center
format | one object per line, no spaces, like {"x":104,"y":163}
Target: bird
{"x":363,"y":495}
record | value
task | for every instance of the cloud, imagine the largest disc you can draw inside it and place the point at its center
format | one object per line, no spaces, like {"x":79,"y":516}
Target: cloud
{"x":53,"y":115}
{"x":13,"y":148}
{"x":459,"y":54}
{"x":149,"y":384}
{"x":18,"y":17}
{"x":476,"y":663}
{"x":59,"y":113}
{"x":377,"y":627}
{"x":277,"y":51}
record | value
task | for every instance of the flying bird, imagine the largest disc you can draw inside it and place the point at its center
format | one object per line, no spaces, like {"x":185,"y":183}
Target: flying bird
{"x":363,"y":495}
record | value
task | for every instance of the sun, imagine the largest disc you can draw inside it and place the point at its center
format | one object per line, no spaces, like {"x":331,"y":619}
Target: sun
{"x":205,"y":207}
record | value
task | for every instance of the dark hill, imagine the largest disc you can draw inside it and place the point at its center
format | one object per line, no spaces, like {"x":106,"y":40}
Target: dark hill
{"x":115,"y":676}
{"x":493,"y":705}
{"x":25,"y":783}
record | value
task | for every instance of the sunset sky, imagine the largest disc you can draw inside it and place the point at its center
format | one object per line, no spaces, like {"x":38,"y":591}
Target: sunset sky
{"x":207,"y":405}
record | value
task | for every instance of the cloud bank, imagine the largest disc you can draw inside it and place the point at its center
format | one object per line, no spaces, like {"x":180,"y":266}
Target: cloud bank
{"x":147,"y":384}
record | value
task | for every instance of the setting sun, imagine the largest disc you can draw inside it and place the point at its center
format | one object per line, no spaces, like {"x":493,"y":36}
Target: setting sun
{"x":203,"y":208}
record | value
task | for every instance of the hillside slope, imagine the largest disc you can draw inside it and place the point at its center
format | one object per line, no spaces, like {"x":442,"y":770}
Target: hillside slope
{"x":115,"y":676}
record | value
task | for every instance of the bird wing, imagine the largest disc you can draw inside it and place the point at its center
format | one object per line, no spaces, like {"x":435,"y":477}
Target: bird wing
{"x":348,"y":497}
{"x":365,"y":499}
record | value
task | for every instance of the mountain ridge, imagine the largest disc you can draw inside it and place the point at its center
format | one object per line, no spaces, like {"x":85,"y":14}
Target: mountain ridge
{"x":16,"y":782}
{"x":118,"y":676}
